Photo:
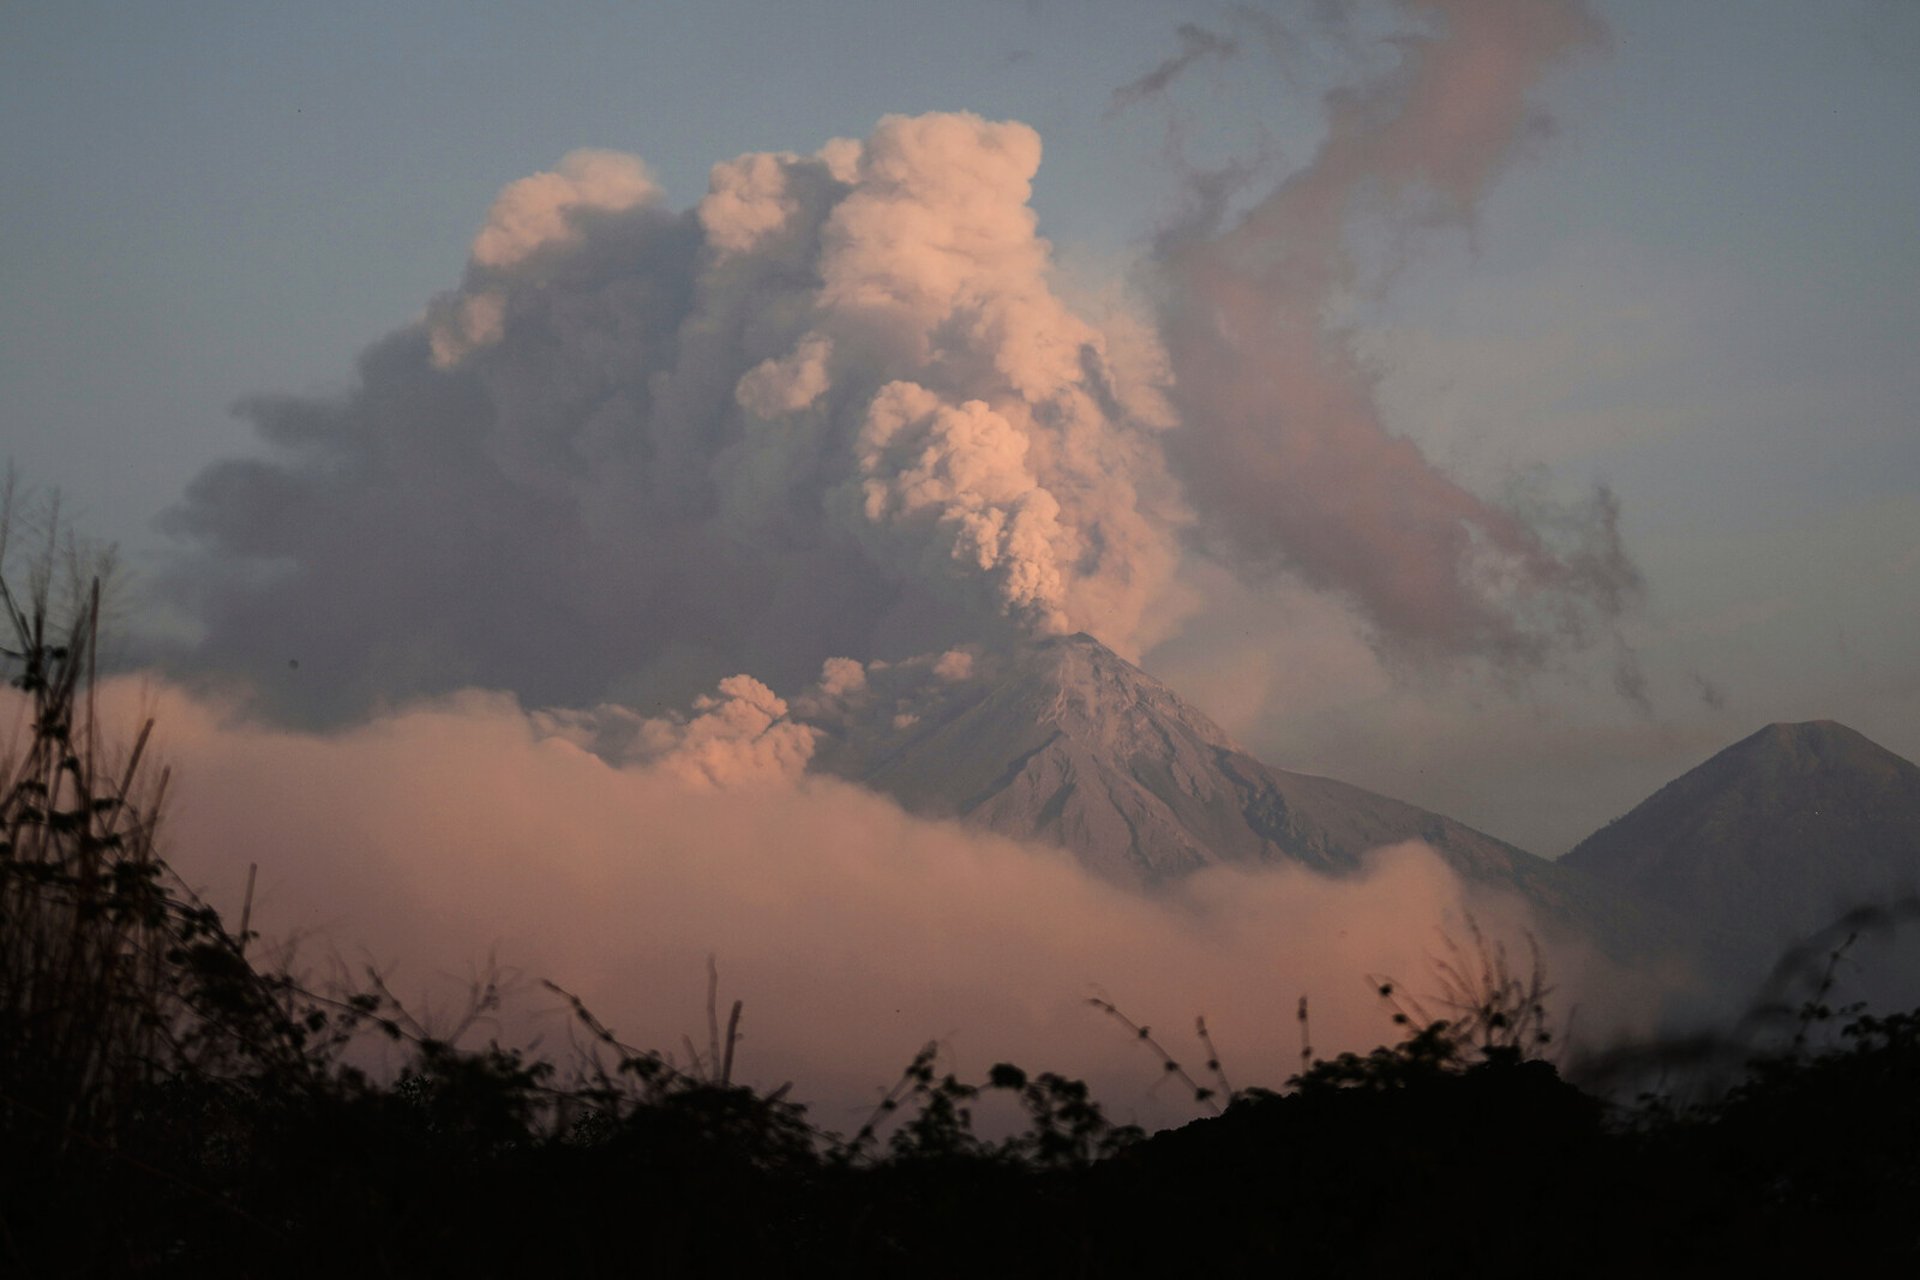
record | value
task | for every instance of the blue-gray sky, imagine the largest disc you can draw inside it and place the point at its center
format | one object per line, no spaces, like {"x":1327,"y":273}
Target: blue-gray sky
{"x":1700,"y":287}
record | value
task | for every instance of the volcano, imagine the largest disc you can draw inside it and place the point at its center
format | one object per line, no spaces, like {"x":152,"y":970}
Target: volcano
{"x":1064,"y":742}
{"x":1773,"y":838}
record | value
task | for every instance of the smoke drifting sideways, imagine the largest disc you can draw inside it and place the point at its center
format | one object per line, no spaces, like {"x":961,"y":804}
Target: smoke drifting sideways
{"x":1283,"y":451}
{"x":424,"y":841}
{"x":835,"y":408}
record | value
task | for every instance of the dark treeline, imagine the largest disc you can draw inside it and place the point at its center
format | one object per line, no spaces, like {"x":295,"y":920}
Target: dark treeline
{"x":171,"y":1103}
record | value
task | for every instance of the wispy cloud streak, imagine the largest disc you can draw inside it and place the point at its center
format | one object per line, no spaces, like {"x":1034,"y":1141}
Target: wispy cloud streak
{"x":1283,"y":449}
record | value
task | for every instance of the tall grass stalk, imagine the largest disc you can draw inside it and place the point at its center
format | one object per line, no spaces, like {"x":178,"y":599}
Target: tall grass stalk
{"x":81,"y":918}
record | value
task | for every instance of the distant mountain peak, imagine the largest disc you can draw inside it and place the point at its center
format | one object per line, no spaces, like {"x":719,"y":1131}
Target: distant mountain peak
{"x":1804,"y":733}
{"x":1773,"y":836}
{"x":1811,"y":746}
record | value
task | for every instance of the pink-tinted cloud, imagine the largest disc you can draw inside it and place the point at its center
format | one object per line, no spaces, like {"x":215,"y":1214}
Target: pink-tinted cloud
{"x":542,"y":210}
{"x":1284,"y":451}
{"x":423,"y":841}
{"x":836,"y":408}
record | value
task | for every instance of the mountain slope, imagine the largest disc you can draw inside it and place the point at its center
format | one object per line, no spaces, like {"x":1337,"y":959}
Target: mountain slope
{"x":1065,"y":742}
{"x":1773,"y":837}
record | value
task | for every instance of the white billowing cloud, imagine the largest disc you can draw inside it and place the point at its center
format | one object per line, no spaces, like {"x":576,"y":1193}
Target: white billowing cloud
{"x":840,"y":677}
{"x":747,"y":200}
{"x":979,"y":435}
{"x":838,"y":409}
{"x":742,"y":735}
{"x":424,"y":840}
{"x":953,"y":665}
{"x":457,"y":323}
{"x":787,"y":384}
{"x":738,"y":736}
{"x":854,"y":704}
{"x":541,"y":211}
{"x":937,"y":242}
{"x":959,"y":473}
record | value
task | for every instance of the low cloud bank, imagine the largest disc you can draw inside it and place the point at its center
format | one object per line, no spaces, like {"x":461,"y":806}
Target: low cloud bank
{"x":425,"y":840}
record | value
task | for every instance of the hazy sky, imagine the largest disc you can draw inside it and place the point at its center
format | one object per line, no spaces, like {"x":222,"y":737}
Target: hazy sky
{"x":1698,"y":285}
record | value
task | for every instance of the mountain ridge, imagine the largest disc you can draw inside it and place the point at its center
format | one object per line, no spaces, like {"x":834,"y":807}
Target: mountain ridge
{"x":1062,"y":741}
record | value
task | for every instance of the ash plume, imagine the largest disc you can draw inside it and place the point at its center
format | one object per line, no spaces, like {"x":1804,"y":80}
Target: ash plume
{"x":835,"y":408}
{"x":1283,"y":449}
{"x":839,"y":408}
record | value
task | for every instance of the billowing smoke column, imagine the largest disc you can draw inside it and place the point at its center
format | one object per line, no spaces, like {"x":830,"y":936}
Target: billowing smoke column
{"x":1283,"y":450}
{"x":834,"y":409}
{"x":838,"y":410}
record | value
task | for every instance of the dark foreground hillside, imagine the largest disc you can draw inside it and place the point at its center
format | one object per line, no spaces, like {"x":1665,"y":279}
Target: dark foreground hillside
{"x":1409,"y":1165}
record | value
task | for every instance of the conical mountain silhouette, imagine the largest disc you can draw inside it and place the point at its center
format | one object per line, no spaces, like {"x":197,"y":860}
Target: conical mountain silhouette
{"x":1772,"y":838}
